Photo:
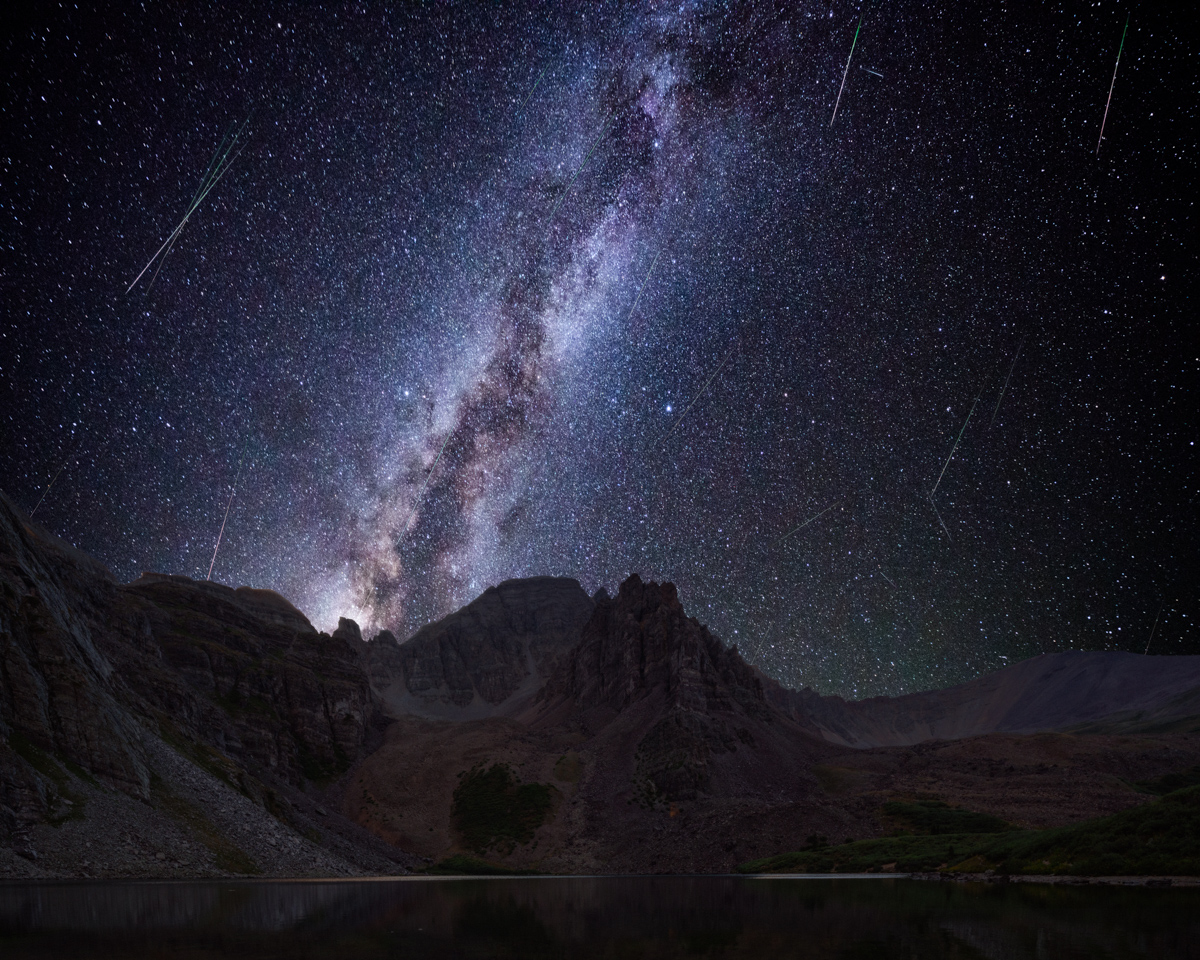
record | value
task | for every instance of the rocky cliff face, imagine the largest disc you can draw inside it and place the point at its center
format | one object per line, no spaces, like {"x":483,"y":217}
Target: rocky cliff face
{"x":489,"y":657}
{"x":238,"y":681}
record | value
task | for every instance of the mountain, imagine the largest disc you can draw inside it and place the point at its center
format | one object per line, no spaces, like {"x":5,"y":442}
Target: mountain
{"x":172,"y":727}
{"x":1057,"y":691}
{"x":488,"y":658}
{"x":170,"y":704}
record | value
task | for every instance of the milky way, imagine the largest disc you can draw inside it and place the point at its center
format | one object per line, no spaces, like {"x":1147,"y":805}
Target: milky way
{"x":493,"y":293}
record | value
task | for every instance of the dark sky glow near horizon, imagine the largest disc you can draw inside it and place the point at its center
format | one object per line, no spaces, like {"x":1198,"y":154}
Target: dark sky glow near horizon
{"x":475,"y":262}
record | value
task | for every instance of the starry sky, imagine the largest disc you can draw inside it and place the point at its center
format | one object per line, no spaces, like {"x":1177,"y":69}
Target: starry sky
{"x":895,"y":397}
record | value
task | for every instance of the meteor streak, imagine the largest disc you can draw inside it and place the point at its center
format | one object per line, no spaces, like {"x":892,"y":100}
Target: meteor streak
{"x":817,"y":516}
{"x":1011,"y":367}
{"x":536,"y":84}
{"x":595,"y":144}
{"x":217,"y":168}
{"x":1154,"y":629}
{"x":1111,"y":85}
{"x":874,"y":73}
{"x":703,"y":390}
{"x":845,"y":72}
{"x":228,"y":505}
{"x":642,"y":288}
{"x":951,"y":457}
{"x":70,"y":456}
{"x":424,"y":487}
{"x":940,"y":520}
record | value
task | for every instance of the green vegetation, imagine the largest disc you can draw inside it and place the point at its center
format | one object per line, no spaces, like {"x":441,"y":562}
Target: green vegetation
{"x":49,"y":768}
{"x":1158,"y":838}
{"x":934,"y":818}
{"x":226,"y":855}
{"x":462,"y":865}
{"x":1171,"y":782}
{"x":493,"y":809}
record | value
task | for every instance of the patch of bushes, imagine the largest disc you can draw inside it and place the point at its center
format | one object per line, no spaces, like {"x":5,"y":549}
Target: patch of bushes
{"x":934,"y":818}
{"x":1169,"y":783}
{"x":493,"y":809}
{"x":1158,"y":838}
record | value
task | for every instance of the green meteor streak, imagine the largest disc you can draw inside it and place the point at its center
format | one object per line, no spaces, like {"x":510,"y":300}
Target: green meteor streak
{"x":1111,"y":85}
{"x":595,"y":144}
{"x":845,"y":72}
{"x":952,"y":449}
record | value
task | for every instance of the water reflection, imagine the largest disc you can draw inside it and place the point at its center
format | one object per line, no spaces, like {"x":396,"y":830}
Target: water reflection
{"x":581,"y":918}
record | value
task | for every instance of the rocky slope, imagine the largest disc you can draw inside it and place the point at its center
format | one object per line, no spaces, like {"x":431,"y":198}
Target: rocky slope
{"x":98,"y":678}
{"x":1059,"y":691}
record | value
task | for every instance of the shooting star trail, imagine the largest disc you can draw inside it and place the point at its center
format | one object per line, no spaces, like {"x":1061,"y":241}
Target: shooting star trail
{"x":228,"y":505}
{"x":429,"y":476}
{"x":845,"y":73}
{"x":874,"y":73}
{"x":1154,"y":629}
{"x":1012,"y":366}
{"x":69,"y":458}
{"x":887,"y":578}
{"x":940,"y":520}
{"x":952,"y":449}
{"x":213,"y":176}
{"x":811,"y":519}
{"x":1113,"y":84}
{"x":703,"y":390}
{"x":579,"y":170}
{"x":537,"y":83}
{"x":642,"y":288}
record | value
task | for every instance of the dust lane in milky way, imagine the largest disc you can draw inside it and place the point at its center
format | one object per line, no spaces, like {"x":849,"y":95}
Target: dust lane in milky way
{"x":501,"y":292}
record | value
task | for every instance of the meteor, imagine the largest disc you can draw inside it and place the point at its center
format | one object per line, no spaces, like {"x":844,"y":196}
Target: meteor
{"x":642,"y":288}
{"x":424,"y":487}
{"x":703,"y":390}
{"x":940,"y":520}
{"x":845,"y":72}
{"x":1154,"y":629}
{"x":217,"y":168}
{"x":811,"y":519}
{"x":595,"y":144}
{"x":874,"y":73}
{"x":228,"y":505}
{"x":951,"y":457}
{"x":521,"y":108}
{"x":1111,"y":85}
{"x":70,"y":456}
{"x":1011,"y":367}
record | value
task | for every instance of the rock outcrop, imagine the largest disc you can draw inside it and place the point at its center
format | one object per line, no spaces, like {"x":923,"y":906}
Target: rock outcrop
{"x":488,"y":658}
{"x":237,"y":681}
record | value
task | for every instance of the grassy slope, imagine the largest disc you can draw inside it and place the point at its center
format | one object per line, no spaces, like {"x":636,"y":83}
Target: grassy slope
{"x":1161,"y":837}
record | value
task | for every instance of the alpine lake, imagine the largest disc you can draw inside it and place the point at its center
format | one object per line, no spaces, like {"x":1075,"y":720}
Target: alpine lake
{"x":602,"y":917}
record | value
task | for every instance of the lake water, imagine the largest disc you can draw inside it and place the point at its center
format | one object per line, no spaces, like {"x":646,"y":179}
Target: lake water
{"x":608,"y":917}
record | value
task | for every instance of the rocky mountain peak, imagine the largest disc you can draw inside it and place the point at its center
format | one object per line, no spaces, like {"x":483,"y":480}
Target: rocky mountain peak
{"x":642,"y":641}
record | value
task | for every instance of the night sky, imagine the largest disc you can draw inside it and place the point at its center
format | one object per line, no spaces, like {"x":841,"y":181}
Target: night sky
{"x":488,"y":292}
